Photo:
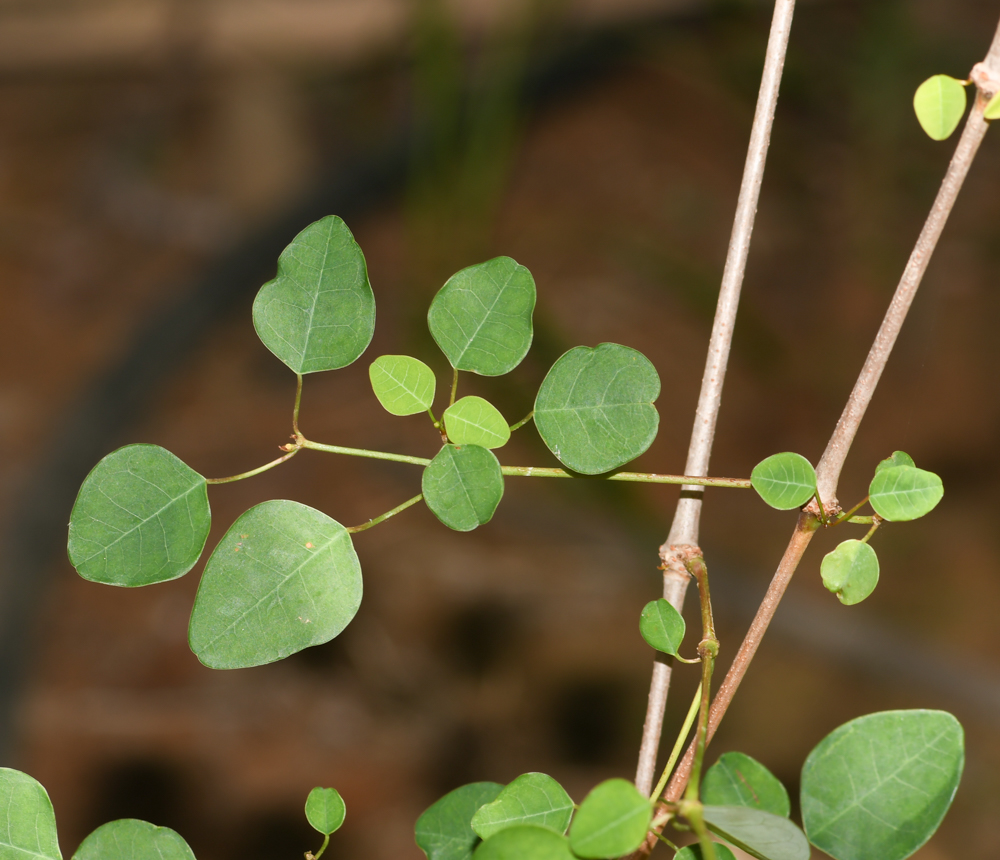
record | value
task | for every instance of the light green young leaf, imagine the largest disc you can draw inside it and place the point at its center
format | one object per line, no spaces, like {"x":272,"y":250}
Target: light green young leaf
{"x":662,"y":626}
{"x":992,"y":110}
{"x":594,"y":409}
{"x":784,"y":481}
{"x":284,"y":577}
{"x":693,"y":852}
{"x":319,"y":311}
{"x":28,"y":827}
{"x":481,"y":318}
{"x":850,"y":571}
{"x":443,"y":832}
{"x":525,"y":842}
{"x":403,"y":385}
{"x":463,"y":486}
{"x":532,"y":798}
{"x":141,"y":517}
{"x":325,"y":810}
{"x":611,"y":821}
{"x":939,"y":103}
{"x":131,"y":839}
{"x":759,"y":833}
{"x":898,"y":458}
{"x":738,"y":780}
{"x":474,"y":421}
{"x":902,"y":493}
{"x":878,"y":787}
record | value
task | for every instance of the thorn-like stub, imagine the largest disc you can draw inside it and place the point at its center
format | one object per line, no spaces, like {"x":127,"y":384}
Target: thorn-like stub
{"x":831,"y":509}
{"x":986,"y":80}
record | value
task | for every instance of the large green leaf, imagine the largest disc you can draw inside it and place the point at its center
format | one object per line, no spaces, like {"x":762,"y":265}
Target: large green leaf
{"x":784,"y":481}
{"x":612,"y":820}
{"x":474,"y":421}
{"x":595,"y":408}
{"x":28,"y":825}
{"x":131,"y":839}
{"x":463,"y":486}
{"x":525,"y":842}
{"x":738,"y":780}
{"x":443,"y":832}
{"x":141,"y":517}
{"x":403,"y":385}
{"x":850,"y":571}
{"x":284,"y":577}
{"x":662,"y":626}
{"x":532,"y":798}
{"x":693,"y":852}
{"x":481,"y":318}
{"x":759,"y":833}
{"x":898,"y":458}
{"x":319,"y":311}
{"x":325,"y":810}
{"x":878,"y":787}
{"x":904,"y":493}
{"x":939,"y":103}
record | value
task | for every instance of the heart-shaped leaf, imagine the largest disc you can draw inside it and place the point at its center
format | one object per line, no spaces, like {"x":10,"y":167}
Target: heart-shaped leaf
{"x":141,"y":517}
{"x":759,"y":833}
{"x":612,"y":820}
{"x":284,"y":577}
{"x":474,"y":421}
{"x":595,"y":408}
{"x":481,"y":318}
{"x":878,"y":787}
{"x":319,"y":311}
{"x":525,"y":842}
{"x":693,"y":852}
{"x":28,"y":825}
{"x":850,"y":571}
{"x":992,"y":110}
{"x":784,"y":481}
{"x":532,"y":798}
{"x":325,"y":810}
{"x":131,"y":839}
{"x":904,"y":493}
{"x":939,"y":103}
{"x":463,"y":486}
{"x":403,"y":385}
{"x":898,"y":458}
{"x":738,"y":780}
{"x":444,"y":831}
{"x":662,"y":626}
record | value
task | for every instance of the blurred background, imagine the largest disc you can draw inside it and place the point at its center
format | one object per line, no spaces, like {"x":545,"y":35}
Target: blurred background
{"x":157,"y":155}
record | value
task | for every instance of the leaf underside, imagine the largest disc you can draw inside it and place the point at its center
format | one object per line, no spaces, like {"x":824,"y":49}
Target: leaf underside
{"x":28,"y":827}
{"x":611,"y":821}
{"x":737,"y":779}
{"x":444,"y":831}
{"x":532,"y":798}
{"x":759,"y":833}
{"x":939,"y":103}
{"x":131,"y":839}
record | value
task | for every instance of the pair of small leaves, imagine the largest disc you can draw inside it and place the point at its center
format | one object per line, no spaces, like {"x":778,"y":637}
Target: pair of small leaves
{"x":325,"y":810}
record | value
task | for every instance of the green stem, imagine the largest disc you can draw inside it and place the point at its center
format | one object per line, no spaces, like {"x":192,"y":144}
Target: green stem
{"x":846,"y":517}
{"x":876,"y":522}
{"x":664,"y":839}
{"x":298,"y":401}
{"x":256,"y":471}
{"x":318,"y":854}
{"x":454,"y":388}
{"x":523,"y":421}
{"x":693,"y":813}
{"x":374,"y":522}
{"x":436,"y":422}
{"x":708,"y":649}
{"x":678,"y":745}
{"x":861,"y":521}
{"x":361,"y":452}
{"x":638,"y":477}
{"x":822,"y":510}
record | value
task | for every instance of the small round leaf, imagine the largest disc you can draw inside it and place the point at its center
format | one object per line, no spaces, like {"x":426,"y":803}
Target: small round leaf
{"x":693,"y":852}
{"x":992,"y":110}
{"x":850,"y":571}
{"x":325,"y":810}
{"x":28,"y":826}
{"x":474,"y":421}
{"x":784,"y":481}
{"x":939,"y":103}
{"x":662,"y":626}
{"x":532,"y":798}
{"x":902,"y":493}
{"x":898,"y":458}
{"x":612,"y":820}
{"x":462,"y":486}
{"x":738,"y":780}
{"x":131,"y":839}
{"x":403,"y":385}
{"x":525,"y":842}
{"x":759,"y":833}
{"x":444,"y":831}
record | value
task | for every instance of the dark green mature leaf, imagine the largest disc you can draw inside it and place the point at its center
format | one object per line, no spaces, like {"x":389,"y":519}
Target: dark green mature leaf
{"x":28,"y":826}
{"x":612,"y":820}
{"x":878,"y":787}
{"x":738,"y":780}
{"x":463,"y":486}
{"x":662,"y":626}
{"x":444,"y":831}
{"x":284,"y":577}
{"x":481,"y":318}
{"x":759,"y":833}
{"x":595,"y":408}
{"x":319,"y":311}
{"x":898,"y":458}
{"x":474,"y":421}
{"x":525,"y":842}
{"x":693,"y":852}
{"x":141,"y":517}
{"x":403,"y":385}
{"x":784,"y":481}
{"x":992,"y":110}
{"x":939,"y":103}
{"x":850,"y":571}
{"x":532,"y":798}
{"x":325,"y":810}
{"x":131,"y":839}
{"x":904,"y":493}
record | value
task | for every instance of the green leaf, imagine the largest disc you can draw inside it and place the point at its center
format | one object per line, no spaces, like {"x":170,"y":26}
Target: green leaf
{"x":403,"y":385}
{"x":784,"y":481}
{"x":463,"y":486}
{"x":898,"y":458}
{"x":738,"y":780}
{"x":662,"y":626}
{"x":693,"y":852}
{"x":131,"y":839}
{"x":284,"y":577}
{"x":28,"y":825}
{"x":525,"y":842}
{"x":141,"y":517}
{"x":532,"y":798}
{"x":939,"y":103}
{"x":612,"y":820}
{"x":481,"y":318}
{"x":319,"y":311}
{"x":904,"y":493}
{"x":992,"y":110}
{"x":878,"y":787}
{"x":595,"y":408}
{"x":443,"y":832}
{"x":474,"y":421}
{"x":850,"y":571}
{"x":325,"y":810}
{"x":759,"y":833}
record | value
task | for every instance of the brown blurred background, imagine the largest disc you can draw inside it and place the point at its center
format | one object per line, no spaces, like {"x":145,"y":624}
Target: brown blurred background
{"x":156,"y":156}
